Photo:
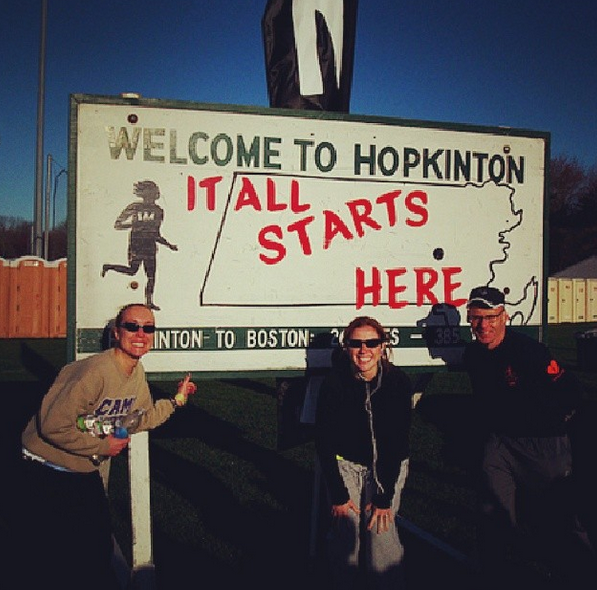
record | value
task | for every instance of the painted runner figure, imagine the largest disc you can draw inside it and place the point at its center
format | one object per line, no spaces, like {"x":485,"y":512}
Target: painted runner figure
{"x":144,"y":220}
{"x":362,"y":442}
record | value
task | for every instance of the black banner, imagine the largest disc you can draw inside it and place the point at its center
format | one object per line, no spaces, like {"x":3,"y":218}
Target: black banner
{"x":309,"y":53}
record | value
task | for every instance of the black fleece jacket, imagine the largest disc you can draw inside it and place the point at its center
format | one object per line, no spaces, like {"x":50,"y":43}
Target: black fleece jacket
{"x":520,"y":389}
{"x":342,"y":428}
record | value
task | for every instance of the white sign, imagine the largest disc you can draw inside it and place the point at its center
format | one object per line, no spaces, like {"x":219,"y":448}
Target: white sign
{"x":258,"y":234}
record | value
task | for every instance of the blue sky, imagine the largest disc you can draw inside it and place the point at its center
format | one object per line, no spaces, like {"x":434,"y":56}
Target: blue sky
{"x":529,"y":64}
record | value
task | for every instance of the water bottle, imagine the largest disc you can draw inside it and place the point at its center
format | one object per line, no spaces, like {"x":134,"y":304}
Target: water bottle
{"x":120,"y":432}
{"x":128,"y":423}
{"x":94,"y":425}
{"x":100,"y":426}
{"x":103,"y":426}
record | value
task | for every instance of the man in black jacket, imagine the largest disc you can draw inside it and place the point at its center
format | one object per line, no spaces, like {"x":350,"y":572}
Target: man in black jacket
{"x":526,"y":401}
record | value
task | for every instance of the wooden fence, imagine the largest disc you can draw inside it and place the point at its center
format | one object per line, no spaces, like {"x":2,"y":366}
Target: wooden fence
{"x":32,"y":298}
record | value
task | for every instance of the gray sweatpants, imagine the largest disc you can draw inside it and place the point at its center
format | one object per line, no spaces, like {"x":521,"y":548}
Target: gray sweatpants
{"x":383,"y":553}
{"x":527,"y":488}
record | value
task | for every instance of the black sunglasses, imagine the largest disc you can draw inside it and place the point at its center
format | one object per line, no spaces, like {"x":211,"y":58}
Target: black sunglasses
{"x":370,"y":343}
{"x":134,"y":327}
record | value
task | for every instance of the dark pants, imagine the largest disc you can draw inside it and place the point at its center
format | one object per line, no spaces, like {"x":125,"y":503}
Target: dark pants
{"x":64,"y":529}
{"x":527,"y":497}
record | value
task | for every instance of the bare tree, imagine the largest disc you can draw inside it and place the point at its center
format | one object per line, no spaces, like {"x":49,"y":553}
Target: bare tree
{"x":573,"y":212}
{"x":57,"y":242}
{"x":566,"y":179}
{"x":15,"y":237}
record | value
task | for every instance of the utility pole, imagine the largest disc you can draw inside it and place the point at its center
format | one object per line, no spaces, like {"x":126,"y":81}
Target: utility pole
{"x":39,"y":161}
{"x":46,"y":254}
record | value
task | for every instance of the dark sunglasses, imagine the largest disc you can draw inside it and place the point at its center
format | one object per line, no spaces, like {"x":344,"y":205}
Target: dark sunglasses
{"x":134,"y":327}
{"x":370,"y":343}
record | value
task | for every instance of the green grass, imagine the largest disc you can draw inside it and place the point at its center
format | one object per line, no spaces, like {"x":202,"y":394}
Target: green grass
{"x":227,"y":502}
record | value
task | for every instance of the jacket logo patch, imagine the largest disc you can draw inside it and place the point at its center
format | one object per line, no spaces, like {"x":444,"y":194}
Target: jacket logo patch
{"x":511,"y":377}
{"x":554,"y":370}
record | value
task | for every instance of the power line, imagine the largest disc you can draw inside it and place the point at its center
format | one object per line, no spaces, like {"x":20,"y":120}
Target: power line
{"x":62,"y":171}
{"x":39,"y":163}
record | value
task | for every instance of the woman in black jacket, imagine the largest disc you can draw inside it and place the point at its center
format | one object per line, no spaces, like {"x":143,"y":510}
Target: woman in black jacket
{"x":361,"y":436}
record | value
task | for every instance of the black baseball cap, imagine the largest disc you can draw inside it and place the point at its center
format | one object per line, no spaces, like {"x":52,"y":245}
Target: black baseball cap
{"x":485,"y":298}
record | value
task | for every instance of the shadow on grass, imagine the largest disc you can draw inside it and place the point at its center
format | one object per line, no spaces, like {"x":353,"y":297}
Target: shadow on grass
{"x":37,"y":365}
{"x":454,"y":417}
{"x":21,"y":399}
{"x":259,"y":543}
{"x":239,"y":514}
